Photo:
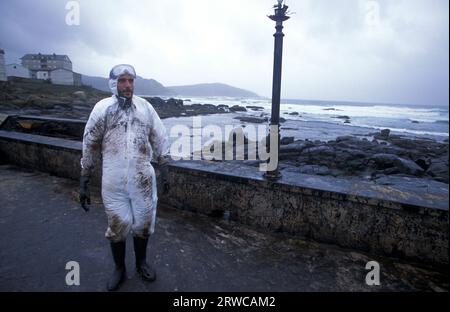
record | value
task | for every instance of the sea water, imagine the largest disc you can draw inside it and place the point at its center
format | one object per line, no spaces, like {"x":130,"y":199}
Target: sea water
{"x":348,"y":117}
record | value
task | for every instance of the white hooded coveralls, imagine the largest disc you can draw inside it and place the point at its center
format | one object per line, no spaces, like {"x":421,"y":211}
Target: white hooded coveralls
{"x":128,"y":138}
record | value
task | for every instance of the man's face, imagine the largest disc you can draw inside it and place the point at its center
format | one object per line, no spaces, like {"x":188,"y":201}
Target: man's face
{"x":125,"y":86}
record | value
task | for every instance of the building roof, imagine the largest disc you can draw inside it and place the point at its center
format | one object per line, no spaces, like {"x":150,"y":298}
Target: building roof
{"x":40,"y":56}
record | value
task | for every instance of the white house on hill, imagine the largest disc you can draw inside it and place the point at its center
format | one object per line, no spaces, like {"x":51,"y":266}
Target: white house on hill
{"x":57,"y":68}
{"x":65,"y":77}
{"x":17,"y":70}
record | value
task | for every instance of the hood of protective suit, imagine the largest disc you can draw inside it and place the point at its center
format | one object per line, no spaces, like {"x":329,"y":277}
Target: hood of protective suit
{"x":116,"y":72}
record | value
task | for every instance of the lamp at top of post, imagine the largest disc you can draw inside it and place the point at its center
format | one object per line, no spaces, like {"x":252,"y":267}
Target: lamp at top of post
{"x":280,"y":12}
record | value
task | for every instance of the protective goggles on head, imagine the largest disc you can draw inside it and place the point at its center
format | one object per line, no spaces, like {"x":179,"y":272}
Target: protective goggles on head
{"x":121,"y":69}
{"x":116,"y":72}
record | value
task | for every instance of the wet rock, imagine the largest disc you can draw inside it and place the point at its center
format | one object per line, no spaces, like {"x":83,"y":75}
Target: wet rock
{"x":386,"y":161}
{"x":255,"y":108}
{"x":423,"y":163}
{"x":342,"y":117}
{"x":250,"y":119}
{"x":314,"y":169}
{"x":282,"y":120}
{"x":383,"y":135}
{"x":287,"y":140}
{"x":347,"y":154}
{"x":156,"y":102}
{"x":320,"y":150}
{"x":175,"y":103}
{"x":296,"y":147}
{"x":439,"y":170}
{"x":344,"y":138}
{"x":355,"y":165}
{"x":224,"y":107}
{"x":176,"y":108}
{"x":237,"y":108}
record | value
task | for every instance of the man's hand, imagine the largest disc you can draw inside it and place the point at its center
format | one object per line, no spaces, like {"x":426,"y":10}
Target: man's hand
{"x":163,"y":171}
{"x":85,"y":194}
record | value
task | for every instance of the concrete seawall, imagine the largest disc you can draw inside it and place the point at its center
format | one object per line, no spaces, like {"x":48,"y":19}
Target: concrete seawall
{"x":378,"y":219}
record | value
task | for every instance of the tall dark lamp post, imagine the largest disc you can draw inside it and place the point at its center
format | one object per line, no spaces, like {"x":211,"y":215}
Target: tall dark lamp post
{"x":279,"y":17}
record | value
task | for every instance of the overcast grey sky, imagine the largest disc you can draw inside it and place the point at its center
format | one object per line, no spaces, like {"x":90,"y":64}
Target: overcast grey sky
{"x":393,"y":51}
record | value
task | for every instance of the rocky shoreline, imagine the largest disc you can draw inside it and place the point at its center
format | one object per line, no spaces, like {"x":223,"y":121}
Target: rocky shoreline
{"x":385,"y":154}
{"x":38,"y":97}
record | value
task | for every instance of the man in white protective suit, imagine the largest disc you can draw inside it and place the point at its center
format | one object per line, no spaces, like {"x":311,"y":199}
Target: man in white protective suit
{"x":129,"y":133}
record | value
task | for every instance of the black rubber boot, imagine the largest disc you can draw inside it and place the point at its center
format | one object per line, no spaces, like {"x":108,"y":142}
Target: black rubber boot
{"x":140,"y":250}
{"x":119,"y":274}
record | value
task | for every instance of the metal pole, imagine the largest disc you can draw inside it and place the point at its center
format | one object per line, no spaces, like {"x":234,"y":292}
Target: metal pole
{"x":279,"y":17}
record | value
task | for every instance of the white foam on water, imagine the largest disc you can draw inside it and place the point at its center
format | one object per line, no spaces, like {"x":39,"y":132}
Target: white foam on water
{"x":399,"y":118}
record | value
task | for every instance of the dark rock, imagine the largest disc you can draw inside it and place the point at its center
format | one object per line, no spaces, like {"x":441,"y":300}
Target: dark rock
{"x":296,"y":147}
{"x":423,"y":163}
{"x":176,"y":108}
{"x":294,"y":114}
{"x":314,"y":169}
{"x":355,"y":165}
{"x":439,"y":169}
{"x":342,"y":117}
{"x":156,"y":102}
{"x":320,"y":150}
{"x":345,"y":138}
{"x":251,"y":119}
{"x":383,"y":135}
{"x":175,"y":102}
{"x":386,"y":161}
{"x":287,"y":140}
{"x":224,"y":107}
{"x":255,"y":108}
{"x":347,"y":154}
{"x":237,"y":108}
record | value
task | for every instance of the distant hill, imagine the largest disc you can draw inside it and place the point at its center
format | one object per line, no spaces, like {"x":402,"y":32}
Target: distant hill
{"x":211,"y":89}
{"x":152,"y":87}
{"x":142,"y":86}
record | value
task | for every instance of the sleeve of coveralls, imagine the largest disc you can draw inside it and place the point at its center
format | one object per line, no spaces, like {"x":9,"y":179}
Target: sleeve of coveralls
{"x":92,"y":141}
{"x":158,"y":136}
